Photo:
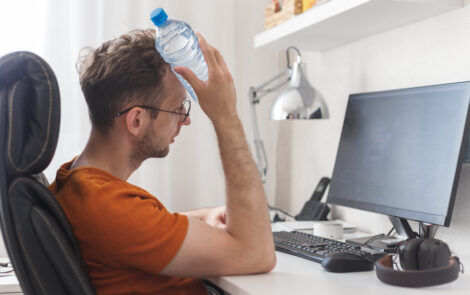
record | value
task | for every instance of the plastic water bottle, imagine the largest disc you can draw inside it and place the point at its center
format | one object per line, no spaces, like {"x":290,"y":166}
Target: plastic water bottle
{"x":178,"y":45}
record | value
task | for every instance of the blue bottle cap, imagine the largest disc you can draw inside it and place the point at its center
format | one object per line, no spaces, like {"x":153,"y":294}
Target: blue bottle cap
{"x":158,"y":16}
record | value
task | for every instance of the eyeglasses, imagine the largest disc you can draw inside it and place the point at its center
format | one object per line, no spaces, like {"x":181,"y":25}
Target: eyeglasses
{"x":185,"y":105}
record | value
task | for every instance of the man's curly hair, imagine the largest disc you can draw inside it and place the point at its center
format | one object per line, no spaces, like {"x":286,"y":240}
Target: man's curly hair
{"x":125,"y":70}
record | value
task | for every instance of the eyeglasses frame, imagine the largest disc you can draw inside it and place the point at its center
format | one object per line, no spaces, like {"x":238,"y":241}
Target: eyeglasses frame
{"x":185,"y":115}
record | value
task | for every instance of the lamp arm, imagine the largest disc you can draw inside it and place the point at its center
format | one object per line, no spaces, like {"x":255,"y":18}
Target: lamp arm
{"x":255,"y":93}
{"x":262,"y":161}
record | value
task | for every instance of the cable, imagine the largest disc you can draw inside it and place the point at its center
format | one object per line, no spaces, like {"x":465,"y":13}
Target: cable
{"x":279,"y":209}
{"x":423,"y":229}
{"x":373,"y":238}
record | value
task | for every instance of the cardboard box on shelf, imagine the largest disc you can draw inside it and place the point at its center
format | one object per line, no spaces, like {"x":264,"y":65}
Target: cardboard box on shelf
{"x":288,"y":9}
{"x":307,"y":4}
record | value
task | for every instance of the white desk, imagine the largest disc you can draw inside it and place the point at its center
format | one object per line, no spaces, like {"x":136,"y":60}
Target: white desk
{"x":294,"y":275}
{"x":10,"y":285}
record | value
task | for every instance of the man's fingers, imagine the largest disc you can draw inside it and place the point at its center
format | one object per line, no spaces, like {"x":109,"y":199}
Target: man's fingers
{"x":222,"y":64}
{"x":189,"y":76}
{"x":219,"y":58}
{"x":208,"y":52}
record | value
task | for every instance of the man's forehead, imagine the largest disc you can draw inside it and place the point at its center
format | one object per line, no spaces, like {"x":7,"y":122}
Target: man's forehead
{"x":174,"y":98}
{"x":173,"y":90}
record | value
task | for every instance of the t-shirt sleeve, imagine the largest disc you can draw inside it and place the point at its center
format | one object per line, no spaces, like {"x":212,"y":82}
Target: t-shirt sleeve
{"x":135,"y":231}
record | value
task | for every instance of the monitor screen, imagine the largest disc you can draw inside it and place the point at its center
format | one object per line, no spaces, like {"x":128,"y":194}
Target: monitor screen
{"x":401,"y":151}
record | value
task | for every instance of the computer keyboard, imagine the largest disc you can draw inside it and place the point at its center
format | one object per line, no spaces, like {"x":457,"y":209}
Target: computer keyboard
{"x":317,"y":248}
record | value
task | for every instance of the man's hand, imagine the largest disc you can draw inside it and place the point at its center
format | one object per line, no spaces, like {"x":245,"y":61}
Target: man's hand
{"x":212,"y":216}
{"x":217,"y":96}
{"x":217,"y":217}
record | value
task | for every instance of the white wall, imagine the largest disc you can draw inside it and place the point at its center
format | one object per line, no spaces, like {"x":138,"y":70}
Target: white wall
{"x":429,"y":52}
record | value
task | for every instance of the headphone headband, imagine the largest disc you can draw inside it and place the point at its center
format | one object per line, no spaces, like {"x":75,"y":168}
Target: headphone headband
{"x":416,"y":278}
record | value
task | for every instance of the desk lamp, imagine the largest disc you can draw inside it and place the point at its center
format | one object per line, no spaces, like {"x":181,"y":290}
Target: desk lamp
{"x":298,"y":101}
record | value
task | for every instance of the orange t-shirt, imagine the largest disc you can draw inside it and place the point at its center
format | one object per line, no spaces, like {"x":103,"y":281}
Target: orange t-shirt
{"x":126,"y":236}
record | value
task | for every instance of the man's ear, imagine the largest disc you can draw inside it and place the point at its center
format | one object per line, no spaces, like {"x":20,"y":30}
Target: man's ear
{"x":134,"y":121}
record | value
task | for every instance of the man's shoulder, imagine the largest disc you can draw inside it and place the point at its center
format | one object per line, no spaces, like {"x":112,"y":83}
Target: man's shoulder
{"x":88,"y":195}
{"x":89,"y":182}
{"x":96,"y":178}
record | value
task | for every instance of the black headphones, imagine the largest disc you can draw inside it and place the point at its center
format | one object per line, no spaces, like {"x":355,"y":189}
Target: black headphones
{"x":426,"y":262}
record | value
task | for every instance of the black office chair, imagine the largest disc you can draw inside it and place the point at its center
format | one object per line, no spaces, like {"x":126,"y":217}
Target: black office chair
{"x":38,"y":237}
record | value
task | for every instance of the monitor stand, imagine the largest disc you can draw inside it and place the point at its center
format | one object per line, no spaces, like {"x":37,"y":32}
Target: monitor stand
{"x":385,"y":243}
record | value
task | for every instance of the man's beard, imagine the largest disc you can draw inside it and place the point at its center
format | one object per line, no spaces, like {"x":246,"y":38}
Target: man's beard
{"x":149,"y":146}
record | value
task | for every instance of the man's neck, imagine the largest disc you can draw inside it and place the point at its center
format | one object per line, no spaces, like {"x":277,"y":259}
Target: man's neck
{"x":108,"y":153}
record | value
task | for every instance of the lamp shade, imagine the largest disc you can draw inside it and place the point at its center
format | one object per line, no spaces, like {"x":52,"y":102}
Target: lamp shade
{"x":299,"y":100}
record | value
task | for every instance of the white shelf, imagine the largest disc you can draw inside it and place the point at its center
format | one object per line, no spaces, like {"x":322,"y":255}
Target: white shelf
{"x":339,"y":22}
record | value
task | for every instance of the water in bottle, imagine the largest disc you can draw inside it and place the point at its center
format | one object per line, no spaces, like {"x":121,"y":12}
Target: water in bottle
{"x":178,"y":45}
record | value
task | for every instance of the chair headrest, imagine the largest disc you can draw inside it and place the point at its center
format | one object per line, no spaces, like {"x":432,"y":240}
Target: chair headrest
{"x":30,"y":107}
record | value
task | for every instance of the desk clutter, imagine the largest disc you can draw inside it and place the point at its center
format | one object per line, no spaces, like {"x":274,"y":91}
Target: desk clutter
{"x":423,"y":262}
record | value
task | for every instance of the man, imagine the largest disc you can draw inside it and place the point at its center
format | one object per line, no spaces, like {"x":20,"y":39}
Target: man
{"x":130,"y":243}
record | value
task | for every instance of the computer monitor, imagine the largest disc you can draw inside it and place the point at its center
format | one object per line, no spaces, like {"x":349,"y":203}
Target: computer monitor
{"x":401,"y":151}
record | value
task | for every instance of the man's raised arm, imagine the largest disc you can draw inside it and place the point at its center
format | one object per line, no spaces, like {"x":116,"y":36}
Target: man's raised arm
{"x":245,"y":245}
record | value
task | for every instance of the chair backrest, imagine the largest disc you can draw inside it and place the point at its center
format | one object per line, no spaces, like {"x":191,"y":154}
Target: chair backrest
{"x":37,"y":235}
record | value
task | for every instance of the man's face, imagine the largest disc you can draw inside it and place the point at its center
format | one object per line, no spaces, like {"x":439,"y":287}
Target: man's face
{"x":160,"y":133}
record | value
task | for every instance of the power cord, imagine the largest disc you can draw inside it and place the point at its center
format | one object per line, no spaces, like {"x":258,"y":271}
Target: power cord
{"x":280,"y":210}
{"x":373,"y":238}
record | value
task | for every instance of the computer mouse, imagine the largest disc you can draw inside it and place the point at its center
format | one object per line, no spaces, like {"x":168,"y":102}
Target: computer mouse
{"x":346,"y":262}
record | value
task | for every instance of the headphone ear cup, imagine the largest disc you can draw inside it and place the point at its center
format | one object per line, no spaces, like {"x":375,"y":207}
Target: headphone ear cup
{"x":433,"y":253}
{"x":408,"y":253}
